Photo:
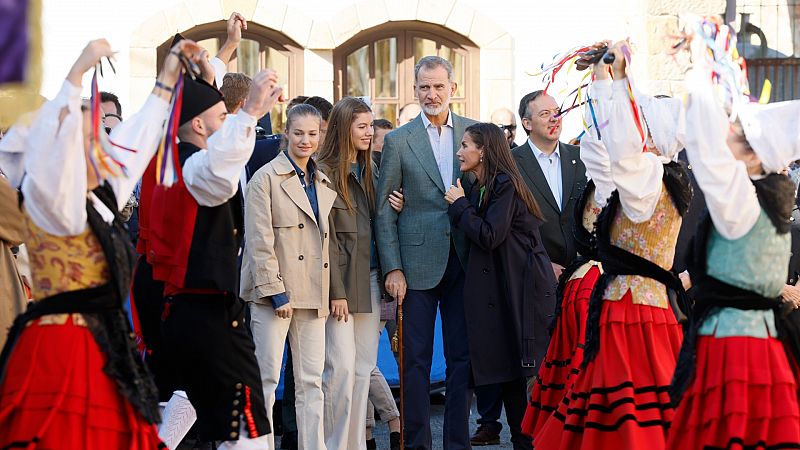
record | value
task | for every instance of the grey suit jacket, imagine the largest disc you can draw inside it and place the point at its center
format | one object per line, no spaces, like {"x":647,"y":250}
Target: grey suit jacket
{"x":417,"y":240}
{"x":557,"y":231}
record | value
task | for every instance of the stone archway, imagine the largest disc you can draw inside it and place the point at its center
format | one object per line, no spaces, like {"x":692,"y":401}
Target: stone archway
{"x":319,"y":38}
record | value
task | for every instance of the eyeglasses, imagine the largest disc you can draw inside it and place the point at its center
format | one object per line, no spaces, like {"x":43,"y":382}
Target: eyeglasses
{"x":509,"y":128}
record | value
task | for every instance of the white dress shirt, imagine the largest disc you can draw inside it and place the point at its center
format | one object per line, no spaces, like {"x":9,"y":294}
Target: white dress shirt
{"x":551,"y":167}
{"x":442,"y":145}
{"x":212,"y":174}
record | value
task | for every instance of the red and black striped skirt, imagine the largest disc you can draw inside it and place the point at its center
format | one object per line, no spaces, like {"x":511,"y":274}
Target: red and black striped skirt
{"x":620,"y":399}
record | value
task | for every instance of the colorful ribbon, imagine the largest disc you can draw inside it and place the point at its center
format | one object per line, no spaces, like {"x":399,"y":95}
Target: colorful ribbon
{"x":103,"y":154}
{"x":167,"y":163}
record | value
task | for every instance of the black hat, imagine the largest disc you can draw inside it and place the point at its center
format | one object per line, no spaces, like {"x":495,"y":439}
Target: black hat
{"x":198,"y":96}
{"x":178,"y":37}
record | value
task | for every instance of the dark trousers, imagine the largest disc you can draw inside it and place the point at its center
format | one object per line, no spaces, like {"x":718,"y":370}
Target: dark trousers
{"x":419,"y":310}
{"x":490,"y":405}
{"x":514,"y":396}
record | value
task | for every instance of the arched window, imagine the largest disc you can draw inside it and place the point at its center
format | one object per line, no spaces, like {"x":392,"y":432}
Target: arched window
{"x":379,"y":63}
{"x":260,"y":48}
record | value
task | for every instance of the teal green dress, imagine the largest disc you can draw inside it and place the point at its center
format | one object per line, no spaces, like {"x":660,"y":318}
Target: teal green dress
{"x":757,"y":262}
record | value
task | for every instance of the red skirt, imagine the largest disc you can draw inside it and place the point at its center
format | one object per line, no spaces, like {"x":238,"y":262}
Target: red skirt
{"x":743,"y":395}
{"x":620,"y":399}
{"x":56,"y":395}
{"x":564,"y":355}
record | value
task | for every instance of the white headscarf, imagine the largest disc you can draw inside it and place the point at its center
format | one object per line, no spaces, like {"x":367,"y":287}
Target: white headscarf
{"x":665,"y":122}
{"x":773,"y":130}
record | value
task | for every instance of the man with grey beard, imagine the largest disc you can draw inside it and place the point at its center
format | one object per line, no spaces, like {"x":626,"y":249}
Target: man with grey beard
{"x":423,"y":257}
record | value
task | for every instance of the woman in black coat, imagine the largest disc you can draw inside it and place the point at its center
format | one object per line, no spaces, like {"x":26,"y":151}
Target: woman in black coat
{"x":509,"y":293}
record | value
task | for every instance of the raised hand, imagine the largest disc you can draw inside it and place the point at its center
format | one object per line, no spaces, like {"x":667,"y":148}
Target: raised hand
{"x":206,"y":69}
{"x":618,"y":68}
{"x":89,"y":58}
{"x":264,"y":93}
{"x":454,"y":193}
{"x":172,"y":63}
{"x":236,"y":24}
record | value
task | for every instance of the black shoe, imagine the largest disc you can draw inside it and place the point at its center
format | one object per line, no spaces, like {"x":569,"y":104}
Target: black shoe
{"x":371,"y":445}
{"x":394,"y":440}
{"x":289,"y":440}
{"x":485,"y":435}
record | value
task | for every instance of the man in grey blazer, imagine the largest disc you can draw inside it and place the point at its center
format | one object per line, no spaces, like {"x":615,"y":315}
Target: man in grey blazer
{"x":553,"y":172}
{"x":422,"y":256}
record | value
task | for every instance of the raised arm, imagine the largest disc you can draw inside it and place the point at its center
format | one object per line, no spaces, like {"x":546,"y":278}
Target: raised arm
{"x":212,"y":175}
{"x":730,"y":195}
{"x":593,"y":153}
{"x":637,"y":175}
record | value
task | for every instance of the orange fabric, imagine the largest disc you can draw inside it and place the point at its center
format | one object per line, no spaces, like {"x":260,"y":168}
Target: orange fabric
{"x":64,"y":263}
{"x":654,"y":240}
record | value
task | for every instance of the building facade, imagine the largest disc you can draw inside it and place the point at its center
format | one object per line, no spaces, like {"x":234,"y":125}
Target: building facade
{"x":335,"y":48}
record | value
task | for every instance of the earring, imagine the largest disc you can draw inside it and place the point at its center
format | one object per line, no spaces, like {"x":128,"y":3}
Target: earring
{"x":481,"y":160}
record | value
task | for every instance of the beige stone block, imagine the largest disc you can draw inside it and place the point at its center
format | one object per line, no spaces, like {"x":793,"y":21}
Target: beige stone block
{"x":402,"y":10}
{"x":151,"y":32}
{"x":270,"y":14}
{"x":660,"y":28}
{"x":206,"y":11}
{"x":318,"y":66}
{"x":139,"y":89}
{"x":497,"y":64}
{"x":322,"y":89}
{"x":372,"y":13}
{"x":345,"y":25}
{"x":461,"y":19}
{"x":436,"y":11}
{"x":664,"y":67}
{"x":504,"y":42}
{"x":496,"y":94}
{"x":678,"y":6}
{"x":297,"y":26}
{"x":179,"y":18}
{"x":142,"y":61}
{"x":485,"y":31}
{"x":321,"y":36}
{"x":247,"y":8}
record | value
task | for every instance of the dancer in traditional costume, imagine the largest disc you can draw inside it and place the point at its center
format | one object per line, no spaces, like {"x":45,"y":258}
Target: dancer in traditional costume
{"x":619,"y":399}
{"x":190,"y":236}
{"x":71,"y":377}
{"x":564,"y":356}
{"x":734,"y":379}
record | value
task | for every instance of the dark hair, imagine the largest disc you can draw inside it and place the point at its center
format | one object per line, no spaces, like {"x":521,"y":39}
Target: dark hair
{"x":497,"y":160}
{"x":337,"y":151}
{"x":300,"y":99}
{"x":300,"y":110}
{"x":323,"y":106}
{"x":109,"y":97}
{"x":235,"y":87}
{"x":383,"y":124}
{"x":524,"y":106}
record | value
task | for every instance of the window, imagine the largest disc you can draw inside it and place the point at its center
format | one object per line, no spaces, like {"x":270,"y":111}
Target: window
{"x":769,"y":39}
{"x":379,"y":64}
{"x":260,"y":48}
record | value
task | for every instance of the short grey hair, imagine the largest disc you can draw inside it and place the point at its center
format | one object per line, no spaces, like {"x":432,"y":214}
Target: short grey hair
{"x":432,"y":62}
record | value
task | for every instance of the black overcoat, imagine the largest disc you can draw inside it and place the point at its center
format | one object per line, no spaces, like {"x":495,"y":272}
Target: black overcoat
{"x":509,"y":292}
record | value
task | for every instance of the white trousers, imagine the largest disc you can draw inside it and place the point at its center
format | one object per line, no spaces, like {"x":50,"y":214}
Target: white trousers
{"x":351,"y":352}
{"x":306,"y":333}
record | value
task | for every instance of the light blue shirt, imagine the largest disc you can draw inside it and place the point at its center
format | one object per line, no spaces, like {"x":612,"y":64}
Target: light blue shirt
{"x":551,"y":167}
{"x":442,"y":145}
